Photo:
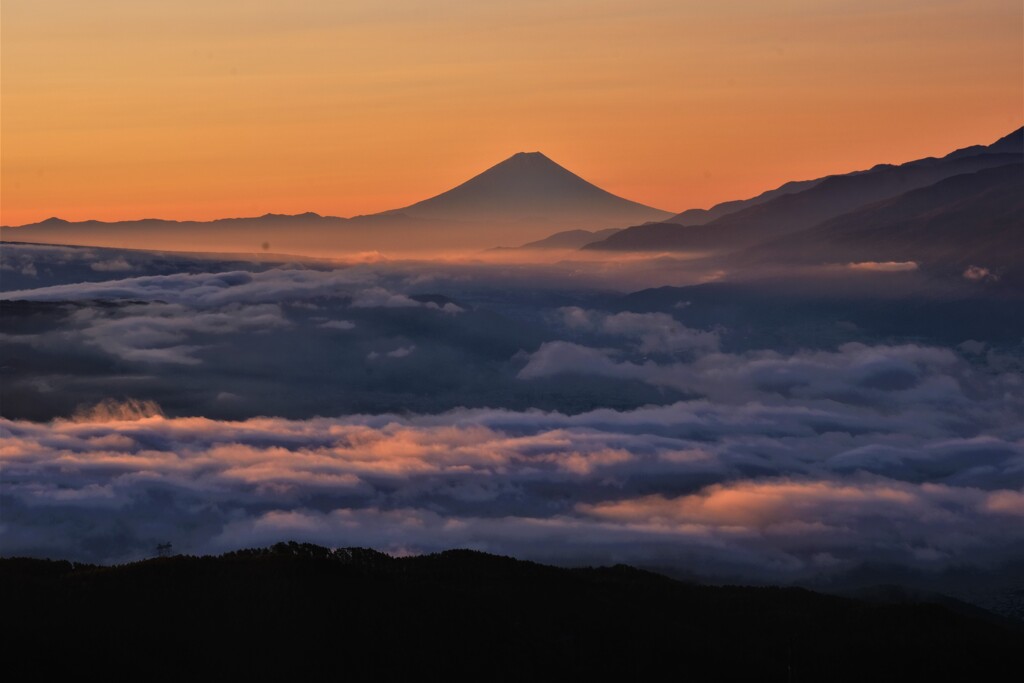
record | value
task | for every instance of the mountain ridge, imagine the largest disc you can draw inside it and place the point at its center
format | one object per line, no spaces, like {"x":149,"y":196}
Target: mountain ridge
{"x":297,"y":607}
{"x":520,"y":199}
{"x":827,"y":198}
{"x":970,"y":219}
{"x":1010,"y":143}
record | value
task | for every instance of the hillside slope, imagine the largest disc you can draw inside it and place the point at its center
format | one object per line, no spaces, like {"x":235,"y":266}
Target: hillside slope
{"x":300,"y":609}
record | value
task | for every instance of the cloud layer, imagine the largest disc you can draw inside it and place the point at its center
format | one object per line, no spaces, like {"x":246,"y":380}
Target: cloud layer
{"x":679,"y":430}
{"x":785,"y":490}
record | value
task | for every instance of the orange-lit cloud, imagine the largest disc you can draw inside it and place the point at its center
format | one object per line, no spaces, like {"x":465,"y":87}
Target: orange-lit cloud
{"x":884,"y":266}
{"x":119,"y":109}
{"x":535,"y":484}
{"x":759,"y":505}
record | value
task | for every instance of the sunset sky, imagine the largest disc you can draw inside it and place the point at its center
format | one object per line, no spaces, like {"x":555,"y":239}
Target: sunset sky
{"x":118,"y":109}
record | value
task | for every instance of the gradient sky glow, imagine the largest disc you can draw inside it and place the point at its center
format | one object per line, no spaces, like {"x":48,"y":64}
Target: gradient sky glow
{"x":118,"y":109}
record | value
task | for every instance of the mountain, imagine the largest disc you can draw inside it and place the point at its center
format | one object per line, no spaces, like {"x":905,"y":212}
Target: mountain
{"x":299,"y":610}
{"x":1009,"y":144}
{"x":523,"y":198}
{"x":567,"y":239}
{"x":529,"y":187}
{"x":702,"y":216}
{"x":972,"y":219}
{"x":307,"y":233}
{"x":823,"y":200}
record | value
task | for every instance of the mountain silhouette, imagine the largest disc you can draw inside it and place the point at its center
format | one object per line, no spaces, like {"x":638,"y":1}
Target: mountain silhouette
{"x":1010,"y":144}
{"x":702,"y":216}
{"x":529,"y":186}
{"x":524,"y":198}
{"x":972,"y":219}
{"x":812,"y":203}
{"x":297,"y":610}
{"x":567,"y":239}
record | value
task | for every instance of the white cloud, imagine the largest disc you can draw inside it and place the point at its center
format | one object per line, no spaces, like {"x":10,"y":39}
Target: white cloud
{"x":338,"y":325}
{"x":157,"y":332}
{"x":653,"y":332}
{"x":211,"y":290}
{"x":111,"y":265}
{"x":855,"y":373}
{"x":400,"y":352}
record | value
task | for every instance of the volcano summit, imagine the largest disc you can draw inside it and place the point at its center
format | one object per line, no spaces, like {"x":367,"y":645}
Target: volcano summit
{"x":529,"y":186}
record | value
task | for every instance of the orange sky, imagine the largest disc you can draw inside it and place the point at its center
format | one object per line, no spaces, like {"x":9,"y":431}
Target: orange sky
{"x":117,"y":109}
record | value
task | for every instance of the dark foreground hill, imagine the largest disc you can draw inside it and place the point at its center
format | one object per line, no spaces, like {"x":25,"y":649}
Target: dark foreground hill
{"x":299,"y":609}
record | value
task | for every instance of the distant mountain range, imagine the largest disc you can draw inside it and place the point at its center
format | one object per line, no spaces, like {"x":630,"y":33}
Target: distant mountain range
{"x":959,"y":211}
{"x":525,"y":197}
{"x":968,"y":219}
{"x":964,"y":209}
{"x":1011,"y":144}
{"x":567,"y":239}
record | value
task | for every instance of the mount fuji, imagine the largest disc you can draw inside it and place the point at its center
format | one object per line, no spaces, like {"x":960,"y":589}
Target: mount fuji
{"x":525,"y":197}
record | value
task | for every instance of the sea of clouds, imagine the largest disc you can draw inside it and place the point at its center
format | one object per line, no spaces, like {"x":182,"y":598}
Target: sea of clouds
{"x":783,"y":466}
